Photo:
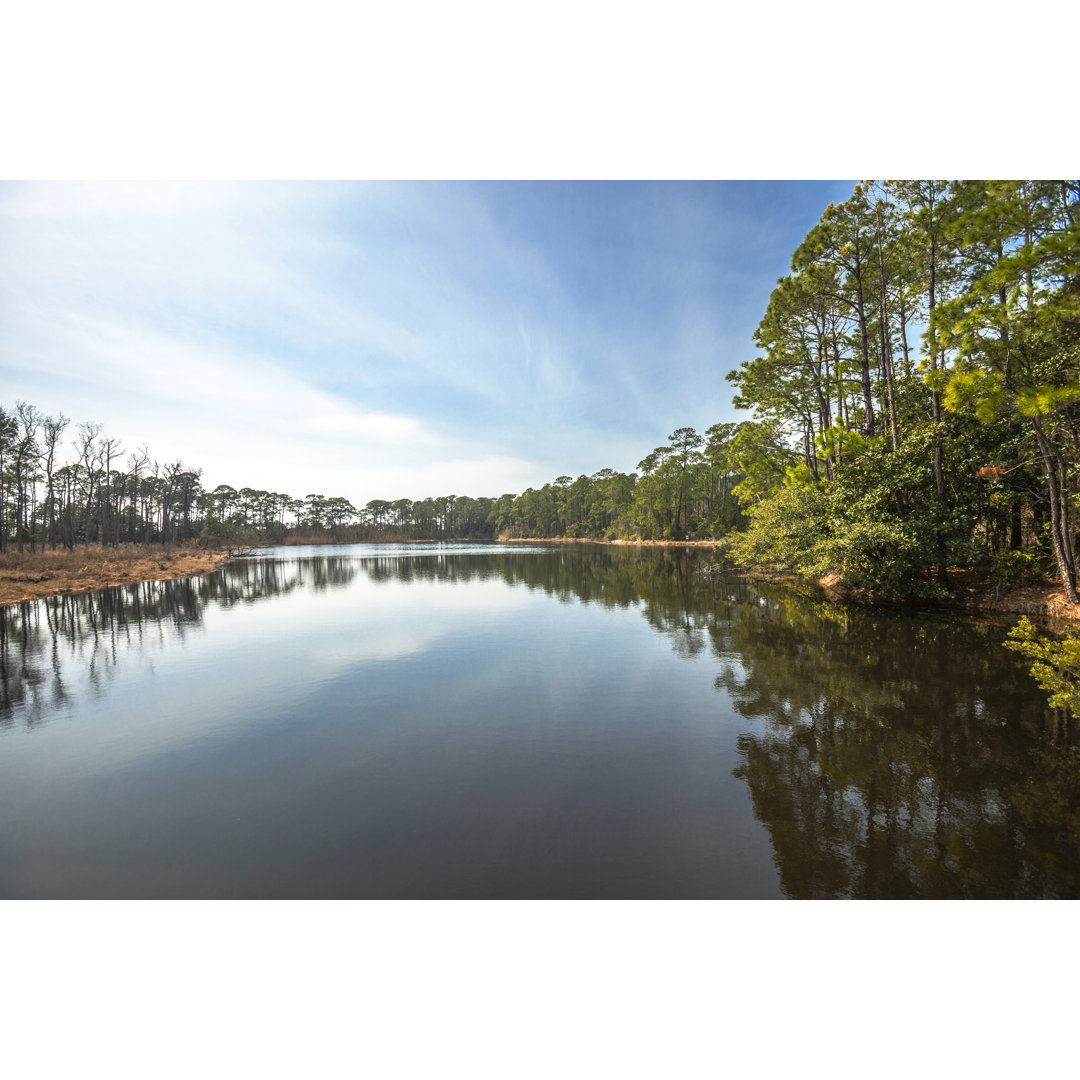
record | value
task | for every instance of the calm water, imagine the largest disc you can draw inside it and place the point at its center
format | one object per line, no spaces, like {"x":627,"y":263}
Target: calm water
{"x":477,"y":721}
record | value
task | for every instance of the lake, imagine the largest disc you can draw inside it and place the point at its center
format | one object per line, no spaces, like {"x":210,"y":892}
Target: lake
{"x":490,"y":721}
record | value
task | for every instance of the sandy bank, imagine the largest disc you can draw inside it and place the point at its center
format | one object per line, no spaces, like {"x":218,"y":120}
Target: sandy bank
{"x":972,"y":594}
{"x":1044,"y":601}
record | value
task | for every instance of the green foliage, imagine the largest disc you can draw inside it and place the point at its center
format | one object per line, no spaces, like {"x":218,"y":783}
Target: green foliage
{"x":786,"y":531}
{"x":1013,"y":568}
{"x":686,"y":488}
{"x":882,"y":555}
{"x":1055,"y":663}
{"x":987,"y":394}
{"x":799,"y":474}
{"x":761,"y":452}
{"x":877,"y":523}
{"x":982,"y":392}
{"x":843,"y":444}
{"x":1041,"y":400}
{"x":809,"y":531}
{"x":888,"y":530}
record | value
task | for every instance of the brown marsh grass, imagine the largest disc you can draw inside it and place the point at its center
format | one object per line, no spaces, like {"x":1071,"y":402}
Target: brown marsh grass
{"x":34,"y":574}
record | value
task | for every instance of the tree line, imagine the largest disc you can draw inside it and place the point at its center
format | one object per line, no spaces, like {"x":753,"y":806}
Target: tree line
{"x":56,"y":492}
{"x":916,"y":389}
{"x":685,"y":490}
{"x":86,"y":490}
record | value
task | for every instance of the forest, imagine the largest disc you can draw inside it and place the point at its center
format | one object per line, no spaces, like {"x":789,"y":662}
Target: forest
{"x":97,"y":495}
{"x":912,"y":402}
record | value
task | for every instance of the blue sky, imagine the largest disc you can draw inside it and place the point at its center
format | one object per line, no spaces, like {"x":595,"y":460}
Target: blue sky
{"x":391,"y":340}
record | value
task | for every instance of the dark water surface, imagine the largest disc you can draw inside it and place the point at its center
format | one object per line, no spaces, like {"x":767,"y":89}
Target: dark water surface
{"x":478,"y":721}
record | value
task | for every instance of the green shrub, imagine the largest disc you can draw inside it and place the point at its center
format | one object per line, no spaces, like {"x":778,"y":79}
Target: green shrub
{"x":785,"y":530}
{"x":1015,"y":568}
{"x":1055,"y":663}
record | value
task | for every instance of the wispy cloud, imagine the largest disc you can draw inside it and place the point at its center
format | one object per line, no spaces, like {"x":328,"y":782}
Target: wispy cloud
{"x":373,"y":335}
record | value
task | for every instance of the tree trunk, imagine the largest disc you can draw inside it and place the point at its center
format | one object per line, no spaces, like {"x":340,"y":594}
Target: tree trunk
{"x":886,"y":348}
{"x":1016,"y":530}
{"x":935,"y":397}
{"x":1059,"y":509}
{"x":864,"y":356}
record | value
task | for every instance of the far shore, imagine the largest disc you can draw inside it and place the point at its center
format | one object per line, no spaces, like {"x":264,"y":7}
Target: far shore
{"x":596,"y":540}
{"x":307,"y":541}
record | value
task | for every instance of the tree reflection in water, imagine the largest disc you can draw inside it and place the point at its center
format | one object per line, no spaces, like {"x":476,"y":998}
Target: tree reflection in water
{"x":899,"y":757}
{"x":48,"y":646}
{"x":885,"y":755}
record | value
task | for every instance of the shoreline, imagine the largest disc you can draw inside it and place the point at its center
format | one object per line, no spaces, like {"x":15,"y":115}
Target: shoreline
{"x":1044,"y":601}
{"x":44,"y":574}
{"x":63,"y":573}
{"x":971,"y":598}
{"x":971,"y":595}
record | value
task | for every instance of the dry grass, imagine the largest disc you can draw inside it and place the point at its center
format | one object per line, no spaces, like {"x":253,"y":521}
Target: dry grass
{"x":32,"y":575}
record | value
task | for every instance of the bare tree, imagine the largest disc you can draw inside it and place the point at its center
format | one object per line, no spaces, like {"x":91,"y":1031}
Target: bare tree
{"x":137,"y":461}
{"x":86,"y":446}
{"x":108,"y":449}
{"x":170,"y":484}
{"x":52,"y":429}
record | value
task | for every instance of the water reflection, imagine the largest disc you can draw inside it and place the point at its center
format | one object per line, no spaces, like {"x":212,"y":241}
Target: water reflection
{"x":883,"y":756}
{"x":900,"y":757}
{"x":47,"y":645}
